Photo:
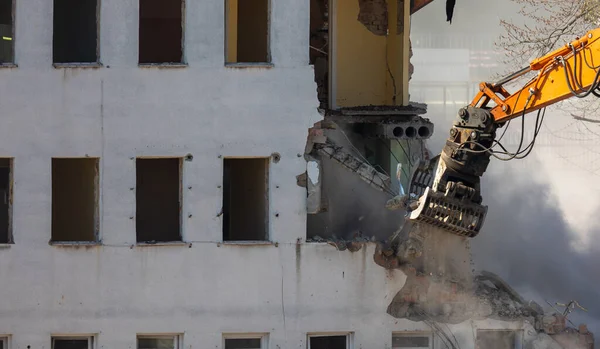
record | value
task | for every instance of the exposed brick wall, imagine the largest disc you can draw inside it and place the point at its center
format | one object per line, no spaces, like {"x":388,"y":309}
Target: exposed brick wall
{"x":373,"y":15}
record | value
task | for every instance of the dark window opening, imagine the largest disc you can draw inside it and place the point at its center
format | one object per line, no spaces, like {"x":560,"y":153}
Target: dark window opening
{"x":243,"y":343}
{"x":7,"y":31}
{"x":158,"y":342}
{"x":409,"y":341}
{"x":497,"y":339}
{"x":5,"y":201}
{"x":328,"y":342}
{"x":245,"y":199}
{"x":64,"y":343}
{"x":247,"y":39}
{"x":75,"y":199}
{"x":75,"y":35}
{"x":319,"y":48}
{"x":161,"y":31}
{"x":158,"y":199}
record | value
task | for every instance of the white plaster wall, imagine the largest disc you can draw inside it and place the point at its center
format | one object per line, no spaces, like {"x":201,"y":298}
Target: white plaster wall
{"x":122,"y":111}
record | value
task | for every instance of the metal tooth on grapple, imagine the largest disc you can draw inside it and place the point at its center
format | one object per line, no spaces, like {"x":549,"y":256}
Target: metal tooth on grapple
{"x":422,"y":177}
{"x":456,"y":216}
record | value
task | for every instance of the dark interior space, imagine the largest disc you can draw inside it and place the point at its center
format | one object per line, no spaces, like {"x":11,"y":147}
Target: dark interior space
{"x":245,"y":199}
{"x":69,"y":343}
{"x":328,"y":342}
{"x":496,"y":339}
{"x":354,"y":209}
{"x":253,"y":31}
{"x":319,"y":47}
{"x":161,"y":31}
{"x":74,"y":199}
{"x":158,"y":199}
{"x":157,"y":343}
{"x":243,"y":343}
{"x":5,"y":201}
{"x":75,"y":35}
{"x":6,"y":31}
{"x":410,"y":342}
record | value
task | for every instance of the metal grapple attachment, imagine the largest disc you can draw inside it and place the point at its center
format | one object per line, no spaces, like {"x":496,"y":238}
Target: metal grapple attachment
{"x":457,"y":216}
{"x":452,"y":210}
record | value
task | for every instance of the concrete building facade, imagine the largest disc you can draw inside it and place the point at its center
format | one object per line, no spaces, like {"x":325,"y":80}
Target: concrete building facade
{"x":97,"y":153}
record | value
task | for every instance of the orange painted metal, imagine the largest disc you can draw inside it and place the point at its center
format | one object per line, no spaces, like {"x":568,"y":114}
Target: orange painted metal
{"x":550,"y":85}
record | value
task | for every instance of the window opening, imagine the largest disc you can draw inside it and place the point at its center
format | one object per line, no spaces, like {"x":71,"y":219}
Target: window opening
{"x":328,"y":342}
{"x":245,"y":199}
{"x":247,"y":33}
{"x":6,"y":180}
{"x":158,"y":342}
{"x":161,"y":31}
{"x":499,"y":339}
{"x":7,"y":30}
{"x":75,"y":35}
{"x":245,"y":341}
{"x":75,"y":199}
{"x":158,"y":199}
{"x":3,"y":342}
{"x":412,"y":340}
{"x":73,"y":342}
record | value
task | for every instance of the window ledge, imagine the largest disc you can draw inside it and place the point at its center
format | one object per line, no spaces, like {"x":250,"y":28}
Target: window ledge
{"x":249,"y":65}
{"x":5,"y":245}
{"x":165,"y":243}
{"x":163,"y":65}
{"x":8,"y":65}
{"x":249,"y":243}
{"x":95,"y":65}
{"x":75,"y":243}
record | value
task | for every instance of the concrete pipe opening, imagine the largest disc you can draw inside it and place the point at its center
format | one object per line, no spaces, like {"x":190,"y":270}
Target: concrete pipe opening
{"x":424,"y":132}
{"x":411,"y":132}
{"x":398,"y":131}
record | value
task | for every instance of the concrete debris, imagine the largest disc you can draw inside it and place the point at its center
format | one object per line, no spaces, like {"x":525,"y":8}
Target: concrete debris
{"x":319,"y":144}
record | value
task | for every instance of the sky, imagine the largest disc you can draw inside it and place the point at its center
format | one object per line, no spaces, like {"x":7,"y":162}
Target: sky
{"x":542,"y":232}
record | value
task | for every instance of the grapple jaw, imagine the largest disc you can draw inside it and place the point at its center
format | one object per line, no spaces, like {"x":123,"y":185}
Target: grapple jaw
{"x":457,"y":216}
{"x":449,"y":187}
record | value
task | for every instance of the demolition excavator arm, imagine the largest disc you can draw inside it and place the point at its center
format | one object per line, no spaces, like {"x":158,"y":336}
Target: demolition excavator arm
{"x":450,"y":196}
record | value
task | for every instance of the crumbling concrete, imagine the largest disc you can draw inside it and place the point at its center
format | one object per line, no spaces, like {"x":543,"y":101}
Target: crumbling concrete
{"x":351,"y":179}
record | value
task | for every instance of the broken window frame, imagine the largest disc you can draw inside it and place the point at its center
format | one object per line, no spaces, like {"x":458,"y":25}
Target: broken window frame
{"x":237,"y":63}
{"x":9,"y":198}
{"x":176,"y":337}
{"x":264,"y":338}
{"x":415,"y":334}
{"x":180,"y":239}
{"x":94,"y":64}
{"x":267,"y":236}
{"x":519,"y":335}
{"x":91,"y":339}
{"x":349,"y":337}
{"x":183,"y":60}
{"x":97,"y":239}
{"x":12,"y":61}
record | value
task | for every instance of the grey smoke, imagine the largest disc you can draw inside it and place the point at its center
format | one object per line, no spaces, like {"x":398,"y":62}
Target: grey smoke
{"x":527,"y":241}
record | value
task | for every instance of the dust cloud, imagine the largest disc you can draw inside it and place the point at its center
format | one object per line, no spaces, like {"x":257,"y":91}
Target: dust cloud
{"x":527,"y":239}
